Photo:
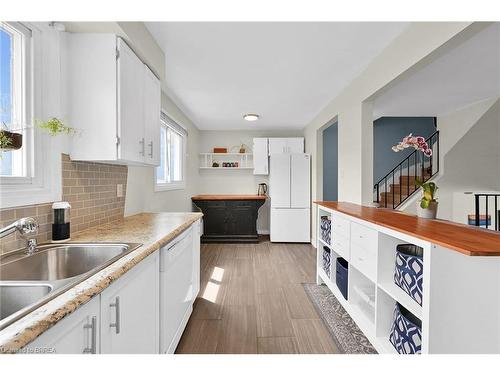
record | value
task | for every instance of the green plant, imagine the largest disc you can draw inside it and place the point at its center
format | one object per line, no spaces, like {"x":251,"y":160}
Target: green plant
{"x":55,"y":126}
{"x":5,"y":141}
{"x":428,"y":193}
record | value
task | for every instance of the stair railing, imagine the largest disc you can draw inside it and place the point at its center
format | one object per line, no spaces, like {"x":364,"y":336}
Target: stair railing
{"x":416,"y":165}
{"x":487,"y":217}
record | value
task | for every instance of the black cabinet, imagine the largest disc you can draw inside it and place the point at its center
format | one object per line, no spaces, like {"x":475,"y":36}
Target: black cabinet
{"x":229,"y":220}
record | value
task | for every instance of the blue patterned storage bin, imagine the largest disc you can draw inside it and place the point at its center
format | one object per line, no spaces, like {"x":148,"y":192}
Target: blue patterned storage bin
{"x":341,"y":277}
{"x":326,"y":229}
{"x":408,"y":274}
{"x":326,"y":260}
{"x":406,"y":332}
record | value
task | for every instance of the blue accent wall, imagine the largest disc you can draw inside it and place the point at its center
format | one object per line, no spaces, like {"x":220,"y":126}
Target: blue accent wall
{"x":330,"y":163}
{"x":388,"y":131}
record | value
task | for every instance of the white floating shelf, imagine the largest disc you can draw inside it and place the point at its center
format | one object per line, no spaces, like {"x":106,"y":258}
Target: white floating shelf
{"x":225,"y":154}
{"x":207,"y":159}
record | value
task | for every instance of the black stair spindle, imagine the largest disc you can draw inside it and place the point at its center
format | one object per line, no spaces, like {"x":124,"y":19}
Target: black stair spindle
{"x":477,"y":211}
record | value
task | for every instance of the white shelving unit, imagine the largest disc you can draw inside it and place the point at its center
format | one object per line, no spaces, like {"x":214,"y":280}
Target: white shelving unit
{"x":245,"y":161}
{"x":457,"y":289}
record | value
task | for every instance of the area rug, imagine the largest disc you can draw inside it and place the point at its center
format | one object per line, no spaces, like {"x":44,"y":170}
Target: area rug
{"x":345,"y":333}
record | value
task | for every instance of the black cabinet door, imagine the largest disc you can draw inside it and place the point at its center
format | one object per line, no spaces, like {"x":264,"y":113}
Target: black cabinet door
{"x":242,"y":220}
{"x":216,"y":219}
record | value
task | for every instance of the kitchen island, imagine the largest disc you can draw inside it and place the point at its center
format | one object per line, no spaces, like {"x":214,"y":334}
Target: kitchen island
{"x":458,"y":285}
{"x":229,"y":218}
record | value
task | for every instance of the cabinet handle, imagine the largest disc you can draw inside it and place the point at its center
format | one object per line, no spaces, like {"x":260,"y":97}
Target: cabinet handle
{"x":116,"y":324}
{"x":151,"y":148}
{"x":93,"y":336}
{"x":141,"y":142}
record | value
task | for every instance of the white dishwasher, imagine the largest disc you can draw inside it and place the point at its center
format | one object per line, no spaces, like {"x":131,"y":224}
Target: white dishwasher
{"x":176,"y":289}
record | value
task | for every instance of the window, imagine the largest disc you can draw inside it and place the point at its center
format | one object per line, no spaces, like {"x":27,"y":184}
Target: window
{"x":15,"y":99}
{"x":170,"y":174}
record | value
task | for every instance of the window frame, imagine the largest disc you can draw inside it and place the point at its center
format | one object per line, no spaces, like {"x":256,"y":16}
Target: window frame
{"x":45,"y":183}
{"x":174,"y":185}
{"x":24,"y":115}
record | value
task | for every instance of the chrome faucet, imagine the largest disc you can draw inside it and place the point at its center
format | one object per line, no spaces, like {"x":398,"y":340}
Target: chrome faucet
{"x":28,"y":227}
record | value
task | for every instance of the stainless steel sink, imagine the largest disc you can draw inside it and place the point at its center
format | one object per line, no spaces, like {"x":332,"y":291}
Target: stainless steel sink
{"x":29,"y":281}
{"x":61,"y":262}
{"x":14,"y":297}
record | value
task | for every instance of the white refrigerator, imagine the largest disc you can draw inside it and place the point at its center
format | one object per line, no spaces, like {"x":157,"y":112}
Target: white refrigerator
{"x":290,"y":192}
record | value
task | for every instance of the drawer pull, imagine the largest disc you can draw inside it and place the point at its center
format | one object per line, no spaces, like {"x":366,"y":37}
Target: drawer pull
{"x":116,"y":324}
{"x":93,"y":336}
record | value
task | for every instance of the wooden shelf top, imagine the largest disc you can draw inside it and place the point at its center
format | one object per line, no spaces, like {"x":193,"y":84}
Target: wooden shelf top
{"x":465,"y":239}
{"x":228,"y":197}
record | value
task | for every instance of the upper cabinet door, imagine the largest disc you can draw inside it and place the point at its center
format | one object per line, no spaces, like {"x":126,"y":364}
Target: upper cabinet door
{"x":132,"y":145}
{"x":295,"y":145}
{"x":152,"y":104}
{"x":260,"y":156}
{"x":277,"y":146}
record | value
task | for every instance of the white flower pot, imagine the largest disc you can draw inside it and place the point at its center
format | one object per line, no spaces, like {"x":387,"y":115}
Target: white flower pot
{"x":427,"y":213}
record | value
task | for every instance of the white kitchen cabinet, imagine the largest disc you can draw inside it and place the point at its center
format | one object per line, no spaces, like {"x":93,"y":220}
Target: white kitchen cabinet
{"x":130,"y":104}
{"x":260,"y":156}
{"x":152,"y":106}
{"x":277,"y":146}
{"x":130,"y":311}
{"x":76,"y":333}
{"x":113,"y":101}
{"x":293,"y":145}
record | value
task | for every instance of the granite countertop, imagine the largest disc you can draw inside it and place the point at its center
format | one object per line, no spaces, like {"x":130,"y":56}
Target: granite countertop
{"x":153,"y":230}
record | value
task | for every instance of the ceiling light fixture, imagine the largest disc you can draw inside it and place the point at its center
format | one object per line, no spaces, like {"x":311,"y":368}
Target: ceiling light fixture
{"x":251,"y":117}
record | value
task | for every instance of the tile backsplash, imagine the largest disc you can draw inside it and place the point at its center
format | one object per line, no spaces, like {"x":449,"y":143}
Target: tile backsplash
{"x":90,"y":188}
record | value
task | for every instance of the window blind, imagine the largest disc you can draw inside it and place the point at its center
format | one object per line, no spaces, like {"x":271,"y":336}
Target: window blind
{"x":171,"y":123}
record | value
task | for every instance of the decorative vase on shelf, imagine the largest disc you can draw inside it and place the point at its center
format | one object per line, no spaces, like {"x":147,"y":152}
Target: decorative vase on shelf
{"x":427,"y":213}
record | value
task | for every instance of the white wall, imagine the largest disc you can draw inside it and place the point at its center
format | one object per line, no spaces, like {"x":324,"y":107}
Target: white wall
{"x":415,"y":44}
{"x":140,"y":183}
{"x":236,"y":181}
{"x":473,"y":163}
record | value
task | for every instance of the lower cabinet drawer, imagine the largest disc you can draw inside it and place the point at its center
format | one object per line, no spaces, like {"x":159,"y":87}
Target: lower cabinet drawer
{"x":363,"y":235}
{"x":340,"y":245}
{"x":340,"y":226}
{"x":364,"y":259}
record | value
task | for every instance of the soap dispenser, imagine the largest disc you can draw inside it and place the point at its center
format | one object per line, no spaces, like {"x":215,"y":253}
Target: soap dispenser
{"x":61,"y":223}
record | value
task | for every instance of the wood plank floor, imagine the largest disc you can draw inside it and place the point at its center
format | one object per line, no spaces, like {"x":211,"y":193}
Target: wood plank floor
{"x":252,"y":301}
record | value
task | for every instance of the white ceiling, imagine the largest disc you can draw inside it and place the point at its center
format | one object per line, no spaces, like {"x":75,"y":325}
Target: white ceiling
{"x":286,"y":72}
{"x":468,"y":73}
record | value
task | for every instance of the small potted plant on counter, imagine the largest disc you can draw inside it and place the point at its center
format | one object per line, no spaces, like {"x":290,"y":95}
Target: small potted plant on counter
{"x":428,"y":205}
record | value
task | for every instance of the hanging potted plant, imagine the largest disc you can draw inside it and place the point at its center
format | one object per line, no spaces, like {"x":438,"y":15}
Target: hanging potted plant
{"x":428,"y":205}
{"x":54,"y":126}
{"x":10,"y":140}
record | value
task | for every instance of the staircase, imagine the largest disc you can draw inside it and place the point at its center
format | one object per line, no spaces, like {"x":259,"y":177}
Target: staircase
{"x":401,"y":182}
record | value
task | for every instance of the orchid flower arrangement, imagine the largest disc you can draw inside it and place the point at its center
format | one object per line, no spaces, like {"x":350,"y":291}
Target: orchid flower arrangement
{"x":418,"y":143}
